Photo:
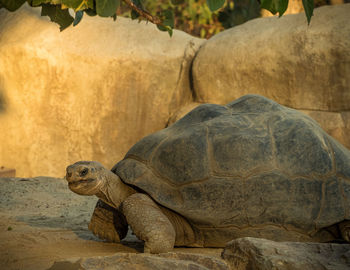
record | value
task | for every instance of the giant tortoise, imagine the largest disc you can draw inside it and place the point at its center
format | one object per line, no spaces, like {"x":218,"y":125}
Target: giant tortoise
{"x":250,"y":168}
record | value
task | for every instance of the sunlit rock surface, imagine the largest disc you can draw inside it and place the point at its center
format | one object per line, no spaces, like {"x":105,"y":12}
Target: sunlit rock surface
{"x":92,"y":91}
{"x":284,"y":59}
{"x":300,"y":66}
{"x":89,"y":92}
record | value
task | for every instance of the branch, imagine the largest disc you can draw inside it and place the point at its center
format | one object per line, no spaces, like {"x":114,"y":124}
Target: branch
{"x":143,"y":13}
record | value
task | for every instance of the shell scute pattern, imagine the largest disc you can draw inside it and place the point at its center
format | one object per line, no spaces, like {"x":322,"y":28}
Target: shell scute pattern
{"x":301,"y":149}
{"x":251,"y":163}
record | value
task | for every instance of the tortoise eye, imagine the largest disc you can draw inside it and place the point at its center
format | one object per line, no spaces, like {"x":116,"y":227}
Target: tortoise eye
{"x":84,"y":172}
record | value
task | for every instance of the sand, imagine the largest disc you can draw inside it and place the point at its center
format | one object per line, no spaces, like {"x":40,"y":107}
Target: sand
{"x":42,"y":222}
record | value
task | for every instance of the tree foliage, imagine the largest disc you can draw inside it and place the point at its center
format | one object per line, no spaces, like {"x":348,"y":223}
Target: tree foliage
{"x":160,"y":13}
{"x":191,"y":16}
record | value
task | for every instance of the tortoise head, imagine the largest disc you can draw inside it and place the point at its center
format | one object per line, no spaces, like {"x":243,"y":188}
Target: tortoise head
{"x":86,"y":177}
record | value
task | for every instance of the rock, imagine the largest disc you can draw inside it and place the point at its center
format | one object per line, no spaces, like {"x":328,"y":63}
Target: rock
{"x":261,"y":254}
{"x":181,"y":112}
{"x":7,"y":172}
{"x":130,"y":261}
{"x":300,"y":66}
{"x":89,"y":92}
{"x":208,"y":261}
{"x":336,"y":124}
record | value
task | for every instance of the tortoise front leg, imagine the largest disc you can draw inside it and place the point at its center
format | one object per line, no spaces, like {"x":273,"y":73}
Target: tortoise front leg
{"x":108,"y":223}
{"x":149,"y":223}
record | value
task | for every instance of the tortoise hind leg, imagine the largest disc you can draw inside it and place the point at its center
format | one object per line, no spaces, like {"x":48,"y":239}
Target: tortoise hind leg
{"x":108,"y":223}
{"x":344,"y":228}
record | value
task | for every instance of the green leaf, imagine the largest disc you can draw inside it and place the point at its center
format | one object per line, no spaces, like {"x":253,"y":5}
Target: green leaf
{"x":72,"y":3}
{"x":57,"y":15}
{"x":90,"y":12}
{"x":78,"y":4}
{"x":165,"y":28}
{"x":275,"y":6}
{"x":168,"y":22}
{"x":36,"y":3}
{"x":78,"y":16}
{"x":170,"y":31}
{"x":107,"y":8}
{"x":169,"y":18}
{"x":215,"y":4}
{"x":91,"y":4}
{"x":177,"y":2}
{"x":270,"y":5}
{"x":134,"y":15}
{"x":282,"y":7}
{"x":12,"y":5}
{"x":309,"y":9}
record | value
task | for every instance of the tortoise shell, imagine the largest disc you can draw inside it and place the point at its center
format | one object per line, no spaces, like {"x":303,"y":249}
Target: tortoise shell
{"x":250,"y":163}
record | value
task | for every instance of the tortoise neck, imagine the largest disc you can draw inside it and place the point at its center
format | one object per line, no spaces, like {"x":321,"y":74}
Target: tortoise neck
{"x":114,"y":191}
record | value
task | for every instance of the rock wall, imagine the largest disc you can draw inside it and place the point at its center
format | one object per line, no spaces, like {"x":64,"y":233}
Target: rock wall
{"x":92,"y":91}
{"x":89,"y":92}
{"x":336,"y":124}
{"x":300,"y":66}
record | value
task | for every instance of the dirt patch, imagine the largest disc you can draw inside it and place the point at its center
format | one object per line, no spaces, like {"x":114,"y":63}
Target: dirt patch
{"x":42,"y":221}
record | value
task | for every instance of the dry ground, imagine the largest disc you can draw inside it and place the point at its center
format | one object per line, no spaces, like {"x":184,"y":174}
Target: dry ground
{"x":42,"y":221}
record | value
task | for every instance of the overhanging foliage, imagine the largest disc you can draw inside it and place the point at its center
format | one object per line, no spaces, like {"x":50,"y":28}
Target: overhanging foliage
{"x":57,"y":10}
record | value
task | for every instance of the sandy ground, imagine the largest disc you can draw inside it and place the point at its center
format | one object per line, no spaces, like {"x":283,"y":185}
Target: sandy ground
{"x":42,"y":221}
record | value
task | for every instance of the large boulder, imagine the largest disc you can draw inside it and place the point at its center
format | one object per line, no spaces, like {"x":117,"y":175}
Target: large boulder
{"x":298,"y":65}
{"x":89,"y":92}
{"x":336,"y":124}
{"x":261,"y":254}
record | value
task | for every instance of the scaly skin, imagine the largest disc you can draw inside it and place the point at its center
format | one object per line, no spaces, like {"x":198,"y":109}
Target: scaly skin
{"x":149,"y":223}
{"x":145,"y":217}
